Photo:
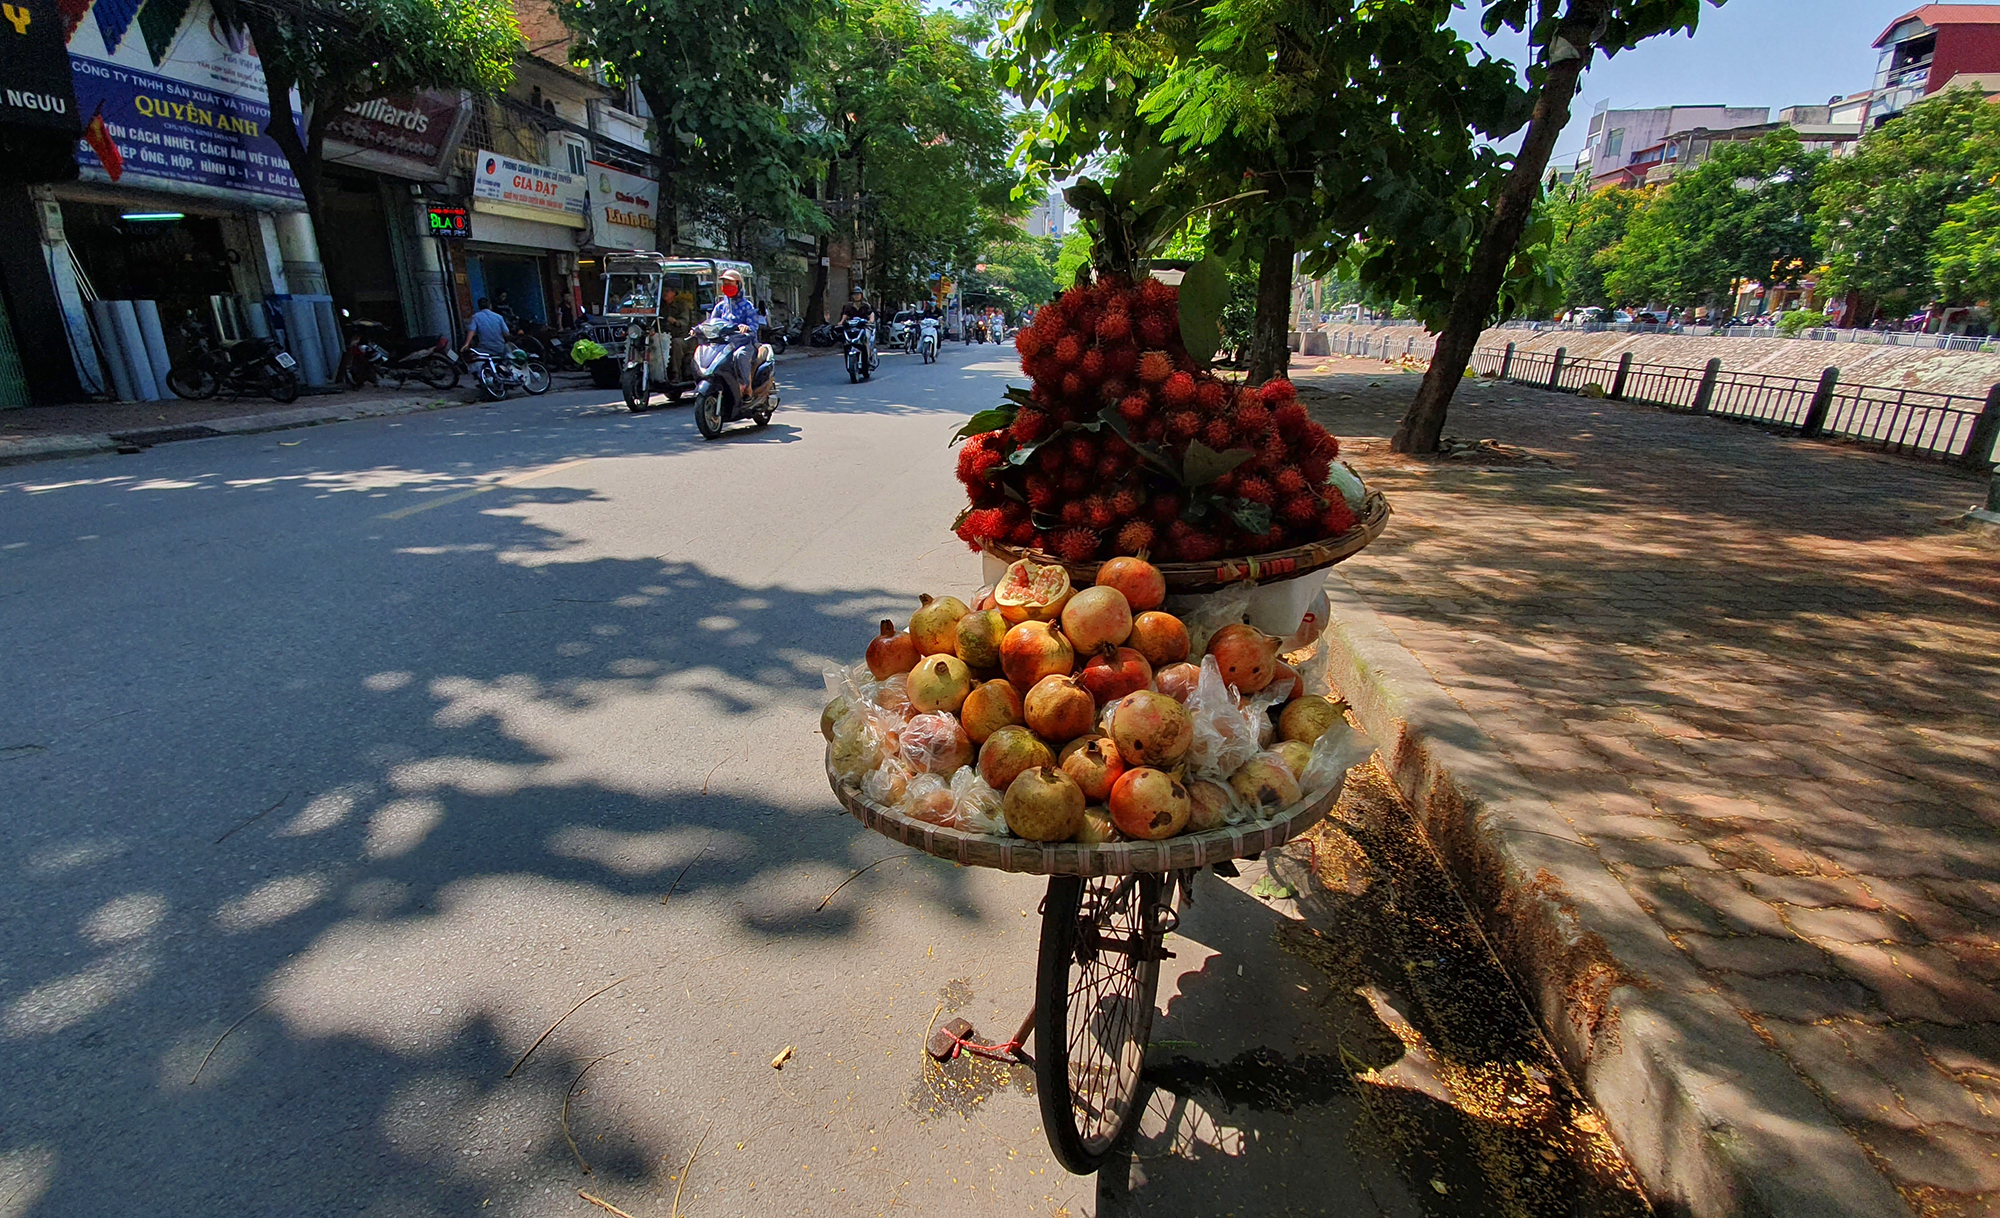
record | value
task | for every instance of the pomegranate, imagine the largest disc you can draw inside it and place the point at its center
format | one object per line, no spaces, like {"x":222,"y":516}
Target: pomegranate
{"x":1141,"y":582}
{"x":1177,"y":681}
{"x":934,"y":626}
{"x":978,"y":637}
{"x":1307,"y":719}
{"x":890,"y":653}
{"x":1043,"y":805}
{"x":936,"y":743}
{"x":1208,"y":806}
{"x":1033,"y":650}
{"x":1008,"y":752}
{"x":983,"y":601}
{"x":1058,"y":708}
{"x":1114,"y":672}
{"x":1093,"y":763}
{"x":990,"y":706}
{"x":831,"y":715}
{"x":1265,"y":783}
{"x":1296,"y":755}
{"x":1161,"y":637}
{"x":1246,"y":655}
{"x":940,"y":682}
{"x":1285,"y":684}
{"x":1031,"y":592}
{"x":893,"y":695}
{"x":1096,"y":616}
{"x":1151,"y":729}
{"x":1148,"y":804}
{"x":1097,"y":828}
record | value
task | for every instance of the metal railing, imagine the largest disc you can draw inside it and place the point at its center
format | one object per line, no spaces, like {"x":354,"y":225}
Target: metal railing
{"x":1916,"y":421}
{"x":1880,"y":338}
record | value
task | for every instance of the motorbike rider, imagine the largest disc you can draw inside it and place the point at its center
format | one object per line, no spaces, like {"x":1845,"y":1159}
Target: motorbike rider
{"x":857,"y":306}
{"x":486,"y":331}
{"x":733,"y":307}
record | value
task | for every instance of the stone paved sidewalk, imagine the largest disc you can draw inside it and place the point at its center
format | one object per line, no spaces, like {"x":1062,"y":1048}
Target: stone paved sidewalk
{"x":1761,"y":677}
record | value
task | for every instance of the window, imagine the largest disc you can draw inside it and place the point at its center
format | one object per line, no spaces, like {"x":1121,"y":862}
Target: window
{"x":1615,"y":142}
{"x":572,"y":155}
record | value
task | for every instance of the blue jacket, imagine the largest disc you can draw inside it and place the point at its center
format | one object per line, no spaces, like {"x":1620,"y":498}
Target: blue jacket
{"x":737,"y":311}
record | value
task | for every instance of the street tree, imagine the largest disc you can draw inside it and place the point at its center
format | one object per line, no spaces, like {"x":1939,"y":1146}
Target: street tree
{"x":1744,"y":214}
{"x":719,"y":76}
{"x":1564,"y":36}
{"x":1329,"y":123}
{"x":918,"y":139}
{"x":333,"y":53}
{"x":1583,"y":223}
{"x":1022,"y":269}
{"x":1966,"y":257}
{"x":1882,"y":210}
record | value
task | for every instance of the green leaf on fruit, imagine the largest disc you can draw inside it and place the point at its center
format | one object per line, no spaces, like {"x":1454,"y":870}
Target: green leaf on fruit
{"x":1203,"y":465}
{"x":1150,"y":454}
{"x":992,"y":419}
{"x":1271,"y":889}
{"x":1250,"y":516}
{"x":1204,"y":292}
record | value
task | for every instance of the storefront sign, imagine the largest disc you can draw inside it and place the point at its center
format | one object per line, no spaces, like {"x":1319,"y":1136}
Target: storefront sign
{"x":173,"y":99}
{"x":405,"y":135}
{"x":622,"y":208}
{"x":34,"y":69}
{"x":529,"y":191}
{"x":450,"y":222}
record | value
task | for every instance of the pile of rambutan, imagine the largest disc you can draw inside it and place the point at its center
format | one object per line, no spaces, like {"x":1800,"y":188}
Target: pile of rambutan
{"x":1125,"y":444}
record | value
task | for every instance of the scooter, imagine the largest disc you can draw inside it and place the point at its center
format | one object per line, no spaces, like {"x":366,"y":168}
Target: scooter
{"x":739,"y":379}
{"x":822,"y":335}
{"x":254,"y":365}
{"x":860,"y":360}
{"x":371,"y":360}
{"x":927,"y":339}
{"x":496,"y":375}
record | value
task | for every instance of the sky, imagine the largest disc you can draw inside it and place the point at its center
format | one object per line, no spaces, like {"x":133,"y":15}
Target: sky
{"x":1774,"y":53}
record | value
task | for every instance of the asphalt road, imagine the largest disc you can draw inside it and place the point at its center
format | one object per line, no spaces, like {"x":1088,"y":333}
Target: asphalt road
{"x":338,"y":764}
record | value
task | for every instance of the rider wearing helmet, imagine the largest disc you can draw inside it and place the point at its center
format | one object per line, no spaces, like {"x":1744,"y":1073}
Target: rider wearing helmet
{"x":734,"y":307}
{"x":857,"y":306}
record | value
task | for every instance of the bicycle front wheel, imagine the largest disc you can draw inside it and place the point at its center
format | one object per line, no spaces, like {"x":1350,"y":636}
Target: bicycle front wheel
{"x":1094,"y":988}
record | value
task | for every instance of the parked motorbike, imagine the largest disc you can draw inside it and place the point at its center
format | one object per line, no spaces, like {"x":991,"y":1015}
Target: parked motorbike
{"x":253,"y":365}
{"x":372,"y":358}
{"x":795,"y":329}
{"x":775,"y":336}
{"x":822,"y":335}
{"x":739,"y":379}
{"x":927,"y":339}
{"x":496,"y":374}
{"x":860,"y":356}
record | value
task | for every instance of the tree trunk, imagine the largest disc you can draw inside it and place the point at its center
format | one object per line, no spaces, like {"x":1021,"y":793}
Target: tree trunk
{"x":816,"y":303}
{"x":1270,"y":350}
{"x":1472,"y":304}
{"x":303,"y":150}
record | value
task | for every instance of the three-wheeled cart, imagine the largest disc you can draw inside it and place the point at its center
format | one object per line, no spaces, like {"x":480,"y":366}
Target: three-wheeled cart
{"x":651,"y":304}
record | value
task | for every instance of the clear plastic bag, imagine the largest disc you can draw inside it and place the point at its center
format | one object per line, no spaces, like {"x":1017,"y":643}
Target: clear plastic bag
{"x":1205,"y":613}
{"x":1225,"y":733}
{"x":927,"y":798}
{"x":935,"y":743}
{"x":887,"y":783}
{"x":1338,"y":749}
{"x":976,"y":807}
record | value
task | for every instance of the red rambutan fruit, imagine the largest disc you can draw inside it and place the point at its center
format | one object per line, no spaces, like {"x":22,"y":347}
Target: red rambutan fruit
{"x":1111,"y":466}
{"x":1216,"y":434}
{"x":1029,"y":343}
{"x":1199,"y":546}
{"x":1029,"y":425}
{"x":1121,"y":360}
{"x":1154,"y":330}
{"x":1289,"y":480}
{"x":1135,"y":406}
{"x":1127,"y":501}
{"x":1041,"y":492}
{"x":1073,"y":302}
{"x":1155,"y":367}
{"x":1021,"y":534}
{"x":1184,"y":425}
{"x":1277,"y":392}
{"x":985,"y":524}
{"x":1211,"y":396}
{"x":1300,"y":510}
{"x":1073,"y":385}
{"x":1337,"y":516}
{"x":1014,"y":511}
{"x":1153,"y":294}
{"x":1315,"y":468}
{"x":1068,"y":351}
{"x":1290,"y":418}
{"x":1112,"y":389}
{"x":1091,"y":367}
{"x":1153,"y":430}
{"x":1255,"y":489}
{"x":1178,"y":390}
{"x":1075,"y":512}
{"x":1114,"y":327}
{"x":1135,"y":538}
{"x":1082,"y":450}
{"x":1101,"y":514}
{"x":1274,"y":453}
{"x":1076,"y":545}
{"x":1049,"y":458}
{"x":1075,"y":482}
{"x":979,"y":457}
{"x":1252,"y":420}
{"x":1226,"y":484}
{"x":1319,"y":442}
{"x":1272,"y":538}
{"x":1166,"y":508}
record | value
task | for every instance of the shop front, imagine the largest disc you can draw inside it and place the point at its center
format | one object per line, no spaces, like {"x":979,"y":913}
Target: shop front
{"x":623,"y":216}
{"x":527,"y":220}
{"x":38,"y":132}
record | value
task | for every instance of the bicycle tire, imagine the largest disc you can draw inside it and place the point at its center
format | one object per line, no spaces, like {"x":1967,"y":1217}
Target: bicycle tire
{"x":1095,"y":982}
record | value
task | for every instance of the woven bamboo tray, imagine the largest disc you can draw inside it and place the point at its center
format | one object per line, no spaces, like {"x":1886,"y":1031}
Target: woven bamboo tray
{"x":1070,"y":858}
{"x":1211,"y":576}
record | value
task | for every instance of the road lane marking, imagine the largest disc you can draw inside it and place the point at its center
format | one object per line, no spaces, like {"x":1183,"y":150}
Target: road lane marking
{"x":515,"y":480}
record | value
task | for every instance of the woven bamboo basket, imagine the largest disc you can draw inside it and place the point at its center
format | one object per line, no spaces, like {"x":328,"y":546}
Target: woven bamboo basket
{"x":1072,"y":858}
{"x":1260,"y":568}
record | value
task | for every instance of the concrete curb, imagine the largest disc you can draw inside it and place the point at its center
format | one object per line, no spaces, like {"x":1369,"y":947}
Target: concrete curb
{"x":1713,"y":1121}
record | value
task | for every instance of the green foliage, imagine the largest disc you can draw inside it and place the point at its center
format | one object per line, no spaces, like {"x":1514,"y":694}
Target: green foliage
{"x":1584,"y":223}
{"x":921,"y":134}
{"x":1074,"y":254}
{"x":1966,"y":256}
{"x":1020,"y":270}
{"x":1746,"y":213}
{"x":719,"y":76}
{"x":1801,"y":319}
{"x":1883,"y":211}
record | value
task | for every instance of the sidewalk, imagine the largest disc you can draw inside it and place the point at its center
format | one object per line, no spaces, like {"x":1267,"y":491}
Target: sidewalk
{"x":1705,"y":720}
